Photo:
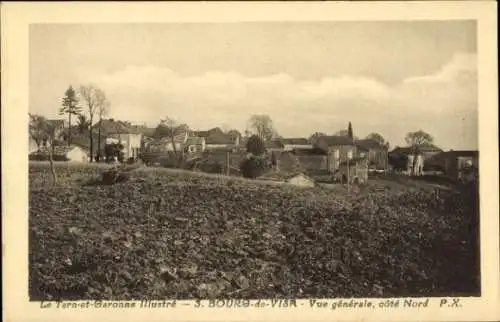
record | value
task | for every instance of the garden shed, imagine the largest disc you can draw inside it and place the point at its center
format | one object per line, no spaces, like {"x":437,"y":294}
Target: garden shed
{"x":296,"y":178}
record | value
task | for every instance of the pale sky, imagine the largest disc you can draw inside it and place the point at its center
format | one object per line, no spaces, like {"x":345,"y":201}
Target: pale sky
{"x":385,"y":77}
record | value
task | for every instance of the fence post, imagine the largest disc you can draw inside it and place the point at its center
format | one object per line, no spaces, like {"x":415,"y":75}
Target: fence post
{"x":227,"y":163}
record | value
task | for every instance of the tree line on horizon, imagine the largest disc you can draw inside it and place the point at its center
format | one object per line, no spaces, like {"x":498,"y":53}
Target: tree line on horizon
{"x":89,"y":102}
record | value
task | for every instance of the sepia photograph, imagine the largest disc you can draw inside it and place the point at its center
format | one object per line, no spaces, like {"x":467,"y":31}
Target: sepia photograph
{"x":253,"y":160}
{"x":237,"y":161}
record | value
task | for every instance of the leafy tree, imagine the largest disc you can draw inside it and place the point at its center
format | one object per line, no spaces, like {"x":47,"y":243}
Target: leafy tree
{"x":169,"y":128}
{"x":70,"y":107}
{"x":83,"y":123}
{"x":255,"y":145}
{"x":376,"y":137}
{"x":94,"y":99}
{"x":114,"y":150}
{"x":418,"y":138}
{"x":262,"y":125}
{"x":315,"y":136}
{"x":234,"y":133}
{"x":44,"y":132}
{"x":38,"y":130}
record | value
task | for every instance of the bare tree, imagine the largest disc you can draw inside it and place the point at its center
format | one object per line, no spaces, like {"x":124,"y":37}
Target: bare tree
{"x":169,"y":128}
{"x":94,"y":98}
{"x":102,"y":111}
{"x":262,"y":125}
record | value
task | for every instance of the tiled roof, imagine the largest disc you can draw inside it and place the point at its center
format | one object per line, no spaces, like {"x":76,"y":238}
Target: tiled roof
{"x":306,"y":152}
{"x":220,"y":139}
{"x":273,"y":144}
{"x":354,"y":161}
{"x":422,"y":148}
{"x":369,"y":144}
{"x":112,"y":126}
{"x":458,"y":153}
{"x":201,"y":133}
{"x":295,"y":141}
{"x":333,"y":140}
{"x":194,"y":140}
{"x":177,"y":139}
{"x":206,"y":133}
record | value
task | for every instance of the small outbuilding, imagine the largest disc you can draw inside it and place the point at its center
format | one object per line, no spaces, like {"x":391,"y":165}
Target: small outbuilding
{"x":71,"y":153}
{"x":296,"y":179}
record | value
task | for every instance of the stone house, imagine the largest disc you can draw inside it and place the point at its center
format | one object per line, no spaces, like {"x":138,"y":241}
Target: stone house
{"x":129,"y":136}
{"x":337,"y":149}
{"x":223,"y":140}
{"x":295,"y":143}
{"x":427,"y":150}
{"x":377,"y":154}
{"x":165,"y":144}
{"x":216,"y":138}
{"x":354,"y":170}
{"x":457,"y":164}
{"x":194,"y":144}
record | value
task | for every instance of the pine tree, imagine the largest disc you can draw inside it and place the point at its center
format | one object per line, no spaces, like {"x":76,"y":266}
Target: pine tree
{"x":70,"y":107}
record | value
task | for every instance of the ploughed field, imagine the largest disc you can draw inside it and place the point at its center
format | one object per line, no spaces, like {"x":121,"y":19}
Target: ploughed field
{"x":173,"y":234}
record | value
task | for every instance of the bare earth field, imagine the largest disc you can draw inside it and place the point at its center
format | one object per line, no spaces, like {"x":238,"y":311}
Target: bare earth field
{"x":173,"y":234}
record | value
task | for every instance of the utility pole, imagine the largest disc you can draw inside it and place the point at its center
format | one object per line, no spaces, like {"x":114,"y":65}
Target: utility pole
{"x":349,"y":156}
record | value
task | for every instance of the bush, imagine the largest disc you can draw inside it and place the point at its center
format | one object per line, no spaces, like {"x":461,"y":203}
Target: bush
{"x":253,"y":167}
{"x":114,"y":150}
{"x":212,"y":167}
{"x":255,"y":145}
{"x":114,"y":176}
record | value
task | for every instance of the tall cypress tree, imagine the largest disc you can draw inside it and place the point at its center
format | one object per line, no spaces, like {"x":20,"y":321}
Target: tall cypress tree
{"x":349,"y":132}
{"x":70,"y":107}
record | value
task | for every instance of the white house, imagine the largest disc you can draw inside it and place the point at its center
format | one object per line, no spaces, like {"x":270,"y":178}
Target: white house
{"x":131,"y":143}
{"x":165,"y":144}
{"x":195,"y":144}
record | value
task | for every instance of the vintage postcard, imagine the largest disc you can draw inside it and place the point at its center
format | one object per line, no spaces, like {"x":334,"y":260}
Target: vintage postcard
{"x":250,"y":161}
